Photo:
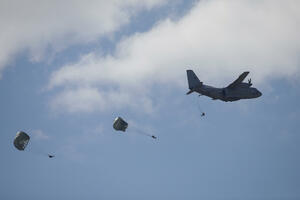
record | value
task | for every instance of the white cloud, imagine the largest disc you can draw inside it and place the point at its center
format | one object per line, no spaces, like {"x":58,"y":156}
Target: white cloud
{"x":37,"y":26}
{"x":218,"y":39}
{"x":90,"y":99}
{"x":39,"y":135}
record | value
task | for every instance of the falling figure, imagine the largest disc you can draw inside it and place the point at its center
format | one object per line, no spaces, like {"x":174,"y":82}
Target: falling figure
{"x":203,"y":114}
{"x":50,"y":156}
{"x":154,"y":137}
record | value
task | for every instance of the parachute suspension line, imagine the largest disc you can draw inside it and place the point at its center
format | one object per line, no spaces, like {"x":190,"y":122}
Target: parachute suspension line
{"x":202,"y":113}
{"x":142,"y":132}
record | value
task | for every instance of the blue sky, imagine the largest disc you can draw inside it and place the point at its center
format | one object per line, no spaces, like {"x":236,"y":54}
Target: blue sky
{"x":65,"y":79}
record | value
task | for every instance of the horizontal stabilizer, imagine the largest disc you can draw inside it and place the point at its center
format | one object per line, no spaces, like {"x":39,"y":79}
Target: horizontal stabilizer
{"x":189,"y":92}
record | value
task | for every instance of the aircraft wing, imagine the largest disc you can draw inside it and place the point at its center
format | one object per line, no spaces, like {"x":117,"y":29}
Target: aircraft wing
{"x":238,"y":80}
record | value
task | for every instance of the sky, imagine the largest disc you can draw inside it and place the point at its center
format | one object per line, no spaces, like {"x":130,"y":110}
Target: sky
{"x":68,"y":68}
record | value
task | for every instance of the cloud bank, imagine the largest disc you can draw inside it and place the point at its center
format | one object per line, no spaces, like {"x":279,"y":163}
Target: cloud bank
{"x":36,"y":27}
{"x":218,"y":39}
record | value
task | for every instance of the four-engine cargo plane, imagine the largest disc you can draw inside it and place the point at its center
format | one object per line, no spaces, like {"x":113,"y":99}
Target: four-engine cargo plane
{"x":233,"y":92}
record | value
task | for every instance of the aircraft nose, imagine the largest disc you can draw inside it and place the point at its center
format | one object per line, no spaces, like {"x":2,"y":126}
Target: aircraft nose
{"x":259,"y":93}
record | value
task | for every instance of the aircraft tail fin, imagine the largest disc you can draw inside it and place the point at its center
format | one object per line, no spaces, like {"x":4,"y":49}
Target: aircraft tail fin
{"x":193,"y":81}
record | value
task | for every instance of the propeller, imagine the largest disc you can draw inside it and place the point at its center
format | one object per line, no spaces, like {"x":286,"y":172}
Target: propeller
{"x":249,"y":82}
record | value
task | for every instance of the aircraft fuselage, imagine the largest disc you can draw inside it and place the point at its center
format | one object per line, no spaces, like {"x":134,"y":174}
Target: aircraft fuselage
{"x":228,"y":94}
{"x":235,"y":91}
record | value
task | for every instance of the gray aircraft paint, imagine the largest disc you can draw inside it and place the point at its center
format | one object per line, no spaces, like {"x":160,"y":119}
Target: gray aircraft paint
{"x":235,"y":91}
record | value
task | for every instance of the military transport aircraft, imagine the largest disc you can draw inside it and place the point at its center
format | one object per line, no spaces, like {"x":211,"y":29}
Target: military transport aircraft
{"x":233,"y":92}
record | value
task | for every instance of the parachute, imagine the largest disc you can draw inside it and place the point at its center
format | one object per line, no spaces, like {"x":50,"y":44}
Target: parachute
{"x":21,"y":140}
{"x":120,"y":124}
